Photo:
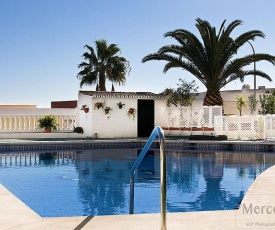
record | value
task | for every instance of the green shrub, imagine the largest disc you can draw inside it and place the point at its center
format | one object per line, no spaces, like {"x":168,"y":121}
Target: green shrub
{"x":267,"y":102}
{"x":47,"y":122}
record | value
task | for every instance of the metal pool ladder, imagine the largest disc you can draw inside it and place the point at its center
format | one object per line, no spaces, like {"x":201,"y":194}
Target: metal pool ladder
{"x":157,"y":131}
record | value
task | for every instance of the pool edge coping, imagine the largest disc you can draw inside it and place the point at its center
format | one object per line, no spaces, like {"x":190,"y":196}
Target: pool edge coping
{"x":239,"y":146}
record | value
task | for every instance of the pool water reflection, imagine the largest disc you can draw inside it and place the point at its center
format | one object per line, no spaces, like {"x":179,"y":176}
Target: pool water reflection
{"x":96,"y":182}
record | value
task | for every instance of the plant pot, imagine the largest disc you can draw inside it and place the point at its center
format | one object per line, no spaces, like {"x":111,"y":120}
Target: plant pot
{"x":131,"y":111}
{"x":86,"y":110}
{"x":47,"y":130}
{"x":98,"y":105}
{"x":120,"y":105}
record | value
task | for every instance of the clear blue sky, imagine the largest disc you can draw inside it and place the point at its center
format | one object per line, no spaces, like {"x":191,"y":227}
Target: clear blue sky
{"x":42,"y":41}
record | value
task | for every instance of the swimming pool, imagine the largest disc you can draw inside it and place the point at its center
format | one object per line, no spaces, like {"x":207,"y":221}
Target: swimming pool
{"x":96,"y":181}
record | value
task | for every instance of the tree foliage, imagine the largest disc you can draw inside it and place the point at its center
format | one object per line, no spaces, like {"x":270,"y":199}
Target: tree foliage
{"x":212,"y":58}
{"x":241,"y":103}
{"x":267,"y":102}
{"x":252,"y":103}
{"x":183,"y":95}
{"x":102,"y":63}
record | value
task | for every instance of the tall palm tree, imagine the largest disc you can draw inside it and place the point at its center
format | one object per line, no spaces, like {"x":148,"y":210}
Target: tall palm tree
{"x":101,"y":64}
{"x":212,"y":60}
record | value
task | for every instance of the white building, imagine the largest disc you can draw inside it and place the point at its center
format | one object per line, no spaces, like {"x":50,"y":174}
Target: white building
{"x":136,"y":118}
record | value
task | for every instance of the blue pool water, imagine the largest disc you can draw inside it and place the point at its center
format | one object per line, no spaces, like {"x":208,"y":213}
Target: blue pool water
{"x":96,"y":182}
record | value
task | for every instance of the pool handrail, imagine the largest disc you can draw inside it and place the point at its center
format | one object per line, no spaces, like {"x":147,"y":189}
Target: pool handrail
{"x":157,"y":132}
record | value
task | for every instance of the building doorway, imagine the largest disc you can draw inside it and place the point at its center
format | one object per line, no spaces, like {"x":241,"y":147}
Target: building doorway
{"x":146,"y":117}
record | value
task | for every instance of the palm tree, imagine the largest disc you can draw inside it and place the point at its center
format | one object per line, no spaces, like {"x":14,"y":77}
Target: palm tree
{"x":101,"y":64}
{"x":241,"y":103}
{"x":212,"y":60}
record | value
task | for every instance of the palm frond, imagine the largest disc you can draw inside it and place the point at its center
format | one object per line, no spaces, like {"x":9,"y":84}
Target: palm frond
{"x":101,"y":64}
{"x":89,"y":79}
{"x":211,"y":58}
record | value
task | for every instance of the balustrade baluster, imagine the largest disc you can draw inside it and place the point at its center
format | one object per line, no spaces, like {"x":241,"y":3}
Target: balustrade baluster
{"x":10,"y":123}
{"x":29,"y":123}
{"x":14,"y":123}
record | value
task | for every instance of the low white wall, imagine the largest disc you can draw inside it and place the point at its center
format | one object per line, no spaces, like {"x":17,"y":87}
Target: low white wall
{"x":20,"y":119}
{"x":186,"y":133}
{"x":37,"y":111}
{"x":34,"y":135}
{"x":83,"y":119}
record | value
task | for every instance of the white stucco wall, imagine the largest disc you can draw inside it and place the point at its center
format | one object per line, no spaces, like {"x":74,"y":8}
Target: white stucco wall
{"x":116,"y":124}
{"x":161,"y":115}
{"x":84,"y":120}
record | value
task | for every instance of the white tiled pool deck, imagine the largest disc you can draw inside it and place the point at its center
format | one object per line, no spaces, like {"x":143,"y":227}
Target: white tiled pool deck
{"x":257,"y":212}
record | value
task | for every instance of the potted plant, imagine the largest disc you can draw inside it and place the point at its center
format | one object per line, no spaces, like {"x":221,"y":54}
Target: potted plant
{"x":99,"y":105}
{"x":131,"y":112}
{"x":107,"y":109}
{"x":78,"y":130}
{"x":85,"y":108}
{"x":47,"y":122}
{"x":120,"y":105}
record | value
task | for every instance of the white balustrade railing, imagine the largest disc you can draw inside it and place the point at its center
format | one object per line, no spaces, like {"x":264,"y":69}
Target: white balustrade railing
{"x":242,"y":127}
{"x":22,"y":123}
{"x":270,"y":126}
{"x":186,"y":117}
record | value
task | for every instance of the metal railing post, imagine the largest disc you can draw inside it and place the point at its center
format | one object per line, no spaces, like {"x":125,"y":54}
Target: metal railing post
{"x":157,"y":131}
{"x":163,"y":183}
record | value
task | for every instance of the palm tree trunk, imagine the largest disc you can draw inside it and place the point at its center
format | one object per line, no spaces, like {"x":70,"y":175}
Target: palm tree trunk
{"x":212,"y":98}
{"x":102,"y":81}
